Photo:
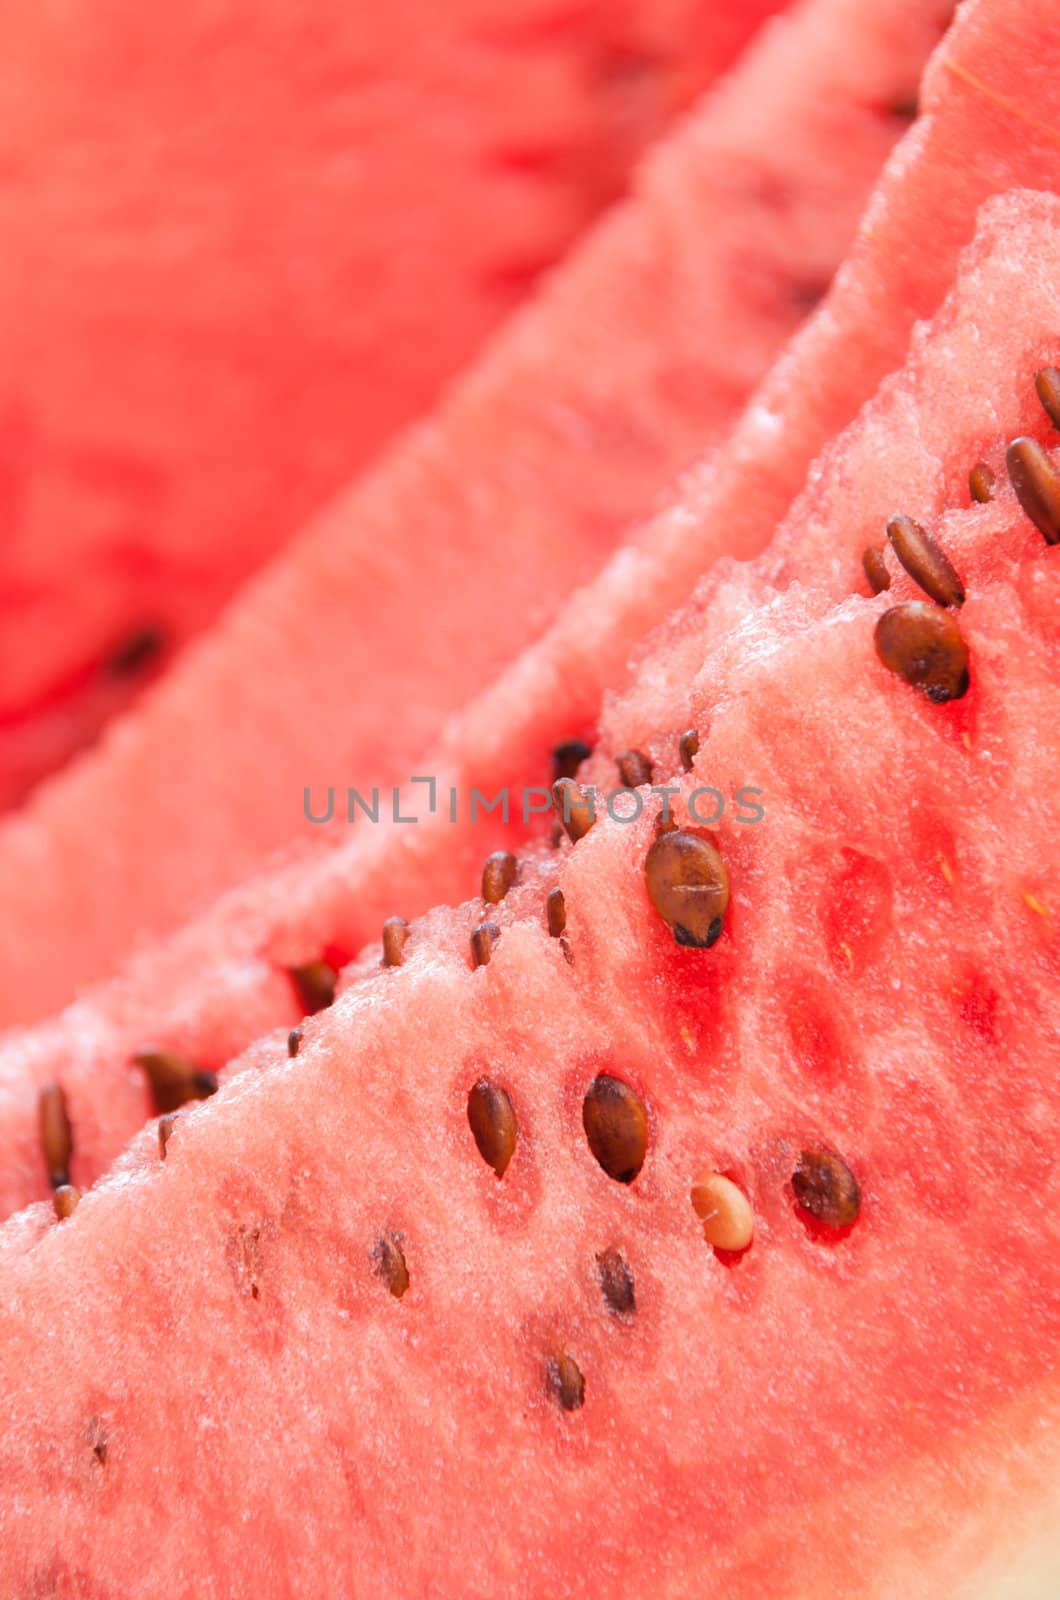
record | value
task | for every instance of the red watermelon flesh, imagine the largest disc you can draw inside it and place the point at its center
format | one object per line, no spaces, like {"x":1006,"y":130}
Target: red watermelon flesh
{"x":343,"y":659}
{"x":241,"y":249}
{"x":574,"y":1392}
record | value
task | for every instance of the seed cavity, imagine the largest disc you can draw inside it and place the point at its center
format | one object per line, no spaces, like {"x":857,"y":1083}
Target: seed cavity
{"x":165,"y":1130}
{"x":498,"y":875}
{"x":565,"y":1381}
{"x":294,"y":1042}
{"x":139,"y":650}
{"x":616,"y":1283}
{"x":491,"y":1117}
{"x":389,"y":1261}
{"x":615,"y":1120}
{"x":724,"y":1210}
{"x":66,"y":1199}
{"x":634,"y":769}
{"x":483,"y":939}
{"x":556,"y":908}
{"x":395,"y":938}
{"x":575,"y":806}
{"x":688,"y":748}
{"x":315,"y":985}
{"x":56,"y":1134}
{"x":1037,"y":484}
{"x":825,"y":1187}
{"x":924,"y":561}
{"x":875,"y":568}
{"x":568,"y":757}
{"x":981,"y":482}
{"x":689,"y":887}
{"x":924,"y":646}
{"x":1047,"y":383}
{"x":174,"y":1079}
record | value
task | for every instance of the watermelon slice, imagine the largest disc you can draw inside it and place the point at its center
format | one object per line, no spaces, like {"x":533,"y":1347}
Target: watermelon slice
{"x":516,"y":492}
{"x":451,"y":1265}
{"x":240,"y":250}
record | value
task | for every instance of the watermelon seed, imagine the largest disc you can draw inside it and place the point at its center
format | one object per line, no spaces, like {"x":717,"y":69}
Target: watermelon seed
{"x":568,"y":757}
{"x":137,"y":651}
{"x":294,"y":1042}
{"x":634,"y":769}
{"x":66,"y":1199}
{"x":924,"y":561}
{"x":981,"y":483}
{"x":875,"y":568}
{"x":390,"y":1264}
{"x":556,"y":907}
{"x":689,"y":887}
{"x":616,"y":1125}
{"x":315,"y":985}
{"x":906,"y":108}
{"x":1047,"y":383}
{"x":491,"y":1117}
{"x":616,"y":1282}
{"x":174,"y":1079}
{"x":924,"y":646}
{"x":56,"y":1134}
{"x":498,"y":875}
{"x":724,"y":1210}
{"x":825,"y":1187}
{"x":395,"y":937}
{"x":165,"y":1129}
{"x":688,"y":748}
{"x":566,"y":1382}
{"x":97,"y":1438}
{"x":483,"y":939}
{"x":1037,"y":485}
{"x":574,"y":806}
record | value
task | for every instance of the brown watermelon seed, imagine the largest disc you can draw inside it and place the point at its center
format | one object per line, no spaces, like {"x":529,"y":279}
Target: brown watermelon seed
{"x":875,"y":568}
{"x":483,"y":939}
{"x":906,"y":108}
{"x":165,"y":1130}
{"x":924,"y":646}
{"x":574,"y":806}
{"x":566,"y":1382}
{"x":97,"y":1438}
{"x":174,"y":1079}
{"x":557,"y":913}
{"x":395,"y":938}
{"x":825,"y":1187}
{"x":390,"y":1263}
{"x":689,"y":887}
{"x":491,"y":1117}
{"x":616,"y":1283}
{"x":616,"y":1125}
{"x":294,"y":1042}
{"x":139,"y":650}
{"x":634,"y":769}
{"x":924,"y":561}
{"x":1047,"y":383}
{"x":66,"y":1200}
{"x":56,"y":1134}
{"x":498,"y":875}
{"x":315,"y":985}
{"x":568,"y":757}
{"x":1037,"y":485}
{"x":688,"y":747}
{"x":724,"y":1210}
{"x":981,"y":483}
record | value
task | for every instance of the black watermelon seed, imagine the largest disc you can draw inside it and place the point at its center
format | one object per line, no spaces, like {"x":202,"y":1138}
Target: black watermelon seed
{"x":491,"y":1117}
{"x":616,"y":1283}
{"x":565,"y":1381}
{"x":688,"y":747}
{"x":924,"y":646}
{"x":875,"y":568}
{"x":616,"y":1125}
{"x":1037,"y":485}
{"x":56,"y":1134}
{"x":575,"y":807}
{"x":483,"y":939}
{"x":557,"y":913}
{"x":174,"y":1078}
{"x":395,"y":937}
{"x":66,"y":1200}
{"x":1047,"y":383}
{"x":924,"y":561}
{"x":634,"y":769}
{"x":165,"y":1130}
{"x":568,"y":757}
{"x":390,"y":1263}
{"x":981,"y":482}
{"x":825,"y":1187}
{"x":689,"y":887}
{"x":139,"y":650}
{"x":294,"y":1042}
{"x":498,"y":875}
{"x":315,"y":984}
